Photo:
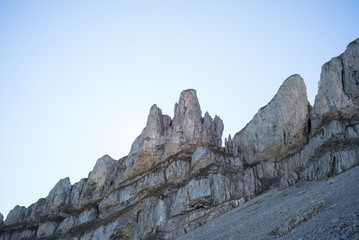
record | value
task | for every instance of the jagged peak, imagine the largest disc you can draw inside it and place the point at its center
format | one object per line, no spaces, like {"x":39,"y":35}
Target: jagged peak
{"x":155,"y":110}
{"x":188,"y":97}
{"x":154,"y":126}
{"x":188,"y":106}
{"x":163,"y":136}
{"x":354,"y":45}
{"x":187,"y":121}
{"x":62,"y":186}
{"x":293,"y":79}
{"x":102,"y":167}
{"x":293,"y":84}
{"x":15,"y":215}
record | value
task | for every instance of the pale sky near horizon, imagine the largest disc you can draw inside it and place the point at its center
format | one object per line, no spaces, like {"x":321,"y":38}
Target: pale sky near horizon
{"x":77,"y":78}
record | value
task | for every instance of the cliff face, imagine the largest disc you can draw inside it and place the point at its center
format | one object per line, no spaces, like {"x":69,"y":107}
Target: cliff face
{"x":278,"y":129}
{"x":178,"y":177}
{"x":308,"y":210}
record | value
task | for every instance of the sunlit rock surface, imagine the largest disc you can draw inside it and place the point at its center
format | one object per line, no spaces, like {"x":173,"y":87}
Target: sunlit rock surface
{"x":178,"y":176}
{"x":338,"y":93}
{"x":278,"y":129}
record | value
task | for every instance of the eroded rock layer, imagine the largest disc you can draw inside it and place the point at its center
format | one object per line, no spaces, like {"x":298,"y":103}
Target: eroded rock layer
{"x":178,"y":176}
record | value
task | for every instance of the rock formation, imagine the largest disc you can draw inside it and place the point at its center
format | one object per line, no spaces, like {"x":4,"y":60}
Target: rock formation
{"x":321,"y":209}
{"x":278,"y":129}
{"x":338,"y":94}
{"x":177,"y":176}
{"x":164,"y":137}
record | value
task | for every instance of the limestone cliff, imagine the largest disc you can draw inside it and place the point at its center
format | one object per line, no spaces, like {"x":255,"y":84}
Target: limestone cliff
{"x":278,"y":129}
{"x":178,"y":176}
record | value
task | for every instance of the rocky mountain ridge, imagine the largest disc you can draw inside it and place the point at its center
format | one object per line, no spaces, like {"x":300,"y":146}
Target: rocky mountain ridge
{"x":178,"y":176}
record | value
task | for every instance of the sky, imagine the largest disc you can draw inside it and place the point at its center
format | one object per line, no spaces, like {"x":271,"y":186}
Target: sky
{"x":77,"y":78}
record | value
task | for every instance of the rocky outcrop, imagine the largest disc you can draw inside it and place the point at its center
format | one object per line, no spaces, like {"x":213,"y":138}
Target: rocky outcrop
{"x":338,"y":93}
{"x":279,"y":129}
{"x":178,"y":176}
{"x":164,"y":137}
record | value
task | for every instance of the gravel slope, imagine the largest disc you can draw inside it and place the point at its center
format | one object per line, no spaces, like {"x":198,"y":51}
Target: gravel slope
{"x":326,"y":209}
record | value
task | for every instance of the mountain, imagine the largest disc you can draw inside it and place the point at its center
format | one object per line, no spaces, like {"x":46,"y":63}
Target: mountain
{"x":177,"y":176}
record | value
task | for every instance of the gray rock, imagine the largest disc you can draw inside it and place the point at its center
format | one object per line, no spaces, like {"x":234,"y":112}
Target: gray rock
{"x":288,"y":180}
{"x":102,"y":171}
{"x":289,"y":215}
{"x":104,"y":232}
{"x":87,"y":236}
{"x":177,"y":171}
{"x":59,"y":196}
{"x":87,"y":216}
{"x":189,"y":128}
{"x":15,"y":215}
{"x":77,"y":196}
{"x":220,"y":188}
{"x":293,"y":221}
{"x":338,"y":92}
{"x":46,"y":229}
{"x":150,"y":180}
{"x":99,"y":180}
{"x":235,"y":163}
{"x":331,"y":164}
{"x":147,"y":150}
{"x":278,"y":129}
{"x":163,"y":137}
{"x":115,"y":198}
{"x":159,"y":214}
{"x":37,"y":210}
{"x":28,"y":234}
{"x":250,"y":182}
{"x":67,"y":224}
{"x":196,"y":193}
{"x":1,"y":218}
{"x":266,"y":170}
{"x":202,"y":158}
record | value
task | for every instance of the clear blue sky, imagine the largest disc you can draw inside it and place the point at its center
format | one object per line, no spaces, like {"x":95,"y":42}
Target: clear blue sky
{"x":77,"y":78}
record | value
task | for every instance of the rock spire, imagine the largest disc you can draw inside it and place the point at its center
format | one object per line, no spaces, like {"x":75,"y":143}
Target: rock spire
{"x":163,"y":137}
